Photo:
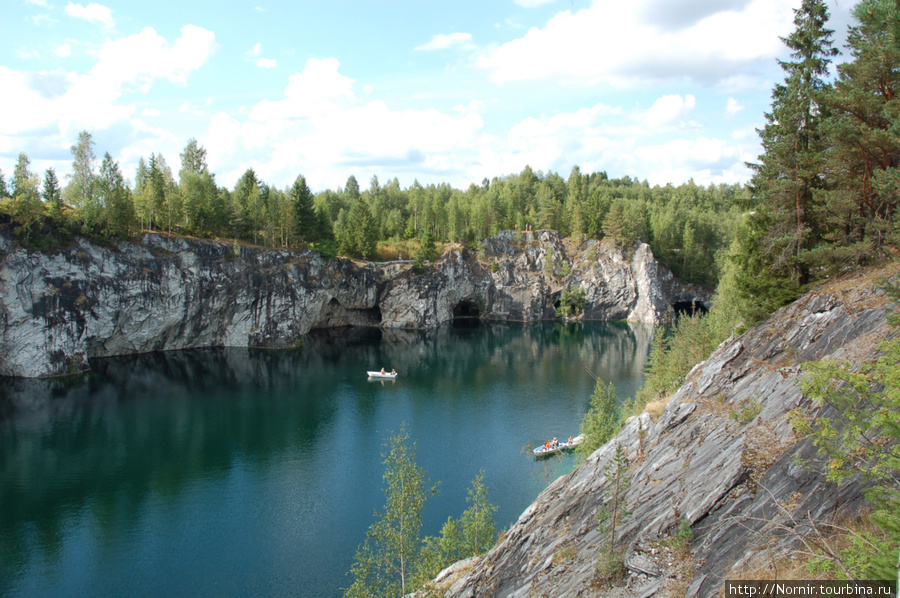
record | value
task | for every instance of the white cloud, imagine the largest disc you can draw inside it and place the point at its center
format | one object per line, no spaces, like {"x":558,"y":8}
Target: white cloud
{"x":614,"y":43}
{"x":533,"y":3}
{"x":38,"y":3}
{"x":266,"y":63}
{"x":96,"y":13}
{"x":146,"y":56}
{"x":442,"y":41}
{"x":55,"y":105}
{"x":324,"y":129}
{"x":63,"y":51}
{"x":706,"y":160}
{"x":256,"y":50}
{"x":150,"y":112}
{"x":669,"y":109}
{"x":732,"y":107}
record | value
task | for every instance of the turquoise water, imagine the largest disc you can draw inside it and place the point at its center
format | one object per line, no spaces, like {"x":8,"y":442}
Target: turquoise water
{"x":236,"y":472}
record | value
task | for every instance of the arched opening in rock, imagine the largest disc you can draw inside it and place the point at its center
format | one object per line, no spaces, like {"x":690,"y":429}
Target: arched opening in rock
{"x":335,"y":315}
{"x":688,"y":308}
{"x":466,"y":309}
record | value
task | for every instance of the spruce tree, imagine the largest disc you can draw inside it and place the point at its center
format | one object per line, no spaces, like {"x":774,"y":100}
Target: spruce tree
{"x":786,"y":181}
{"x":52,"y":195}
{"x":305,"y":217}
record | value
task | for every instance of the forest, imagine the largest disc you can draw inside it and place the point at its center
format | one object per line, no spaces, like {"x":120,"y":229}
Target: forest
{"x":685,"y":225}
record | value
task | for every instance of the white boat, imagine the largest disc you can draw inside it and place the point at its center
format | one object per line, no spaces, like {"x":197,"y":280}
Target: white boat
{"x":543,"y":451}
{"x":383,"y":375}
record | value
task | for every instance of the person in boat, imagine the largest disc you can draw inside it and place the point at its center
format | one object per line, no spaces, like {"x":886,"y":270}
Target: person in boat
{"x":555,"y":443}
{"x":393,"y":372}
{"x":546,"y":445}
{"x":382,"y":370}
{"x":570,"y":439}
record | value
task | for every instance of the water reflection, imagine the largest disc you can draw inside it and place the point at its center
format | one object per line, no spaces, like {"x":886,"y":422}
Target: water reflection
{"x":87,"y":463}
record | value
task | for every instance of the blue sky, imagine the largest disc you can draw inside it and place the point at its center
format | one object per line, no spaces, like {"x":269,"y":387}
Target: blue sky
{"x":662,"y":90}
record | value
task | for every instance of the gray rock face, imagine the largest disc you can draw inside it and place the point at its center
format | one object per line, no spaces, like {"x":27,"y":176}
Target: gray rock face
{"x":59,"y":310}
{"x":721,"y":457}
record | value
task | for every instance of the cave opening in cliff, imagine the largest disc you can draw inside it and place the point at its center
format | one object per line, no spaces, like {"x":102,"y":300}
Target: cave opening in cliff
{"x":689,"y":308}
{"x":466,"y":309}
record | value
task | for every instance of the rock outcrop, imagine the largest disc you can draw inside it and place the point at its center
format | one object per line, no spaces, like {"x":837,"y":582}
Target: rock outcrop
{"x":721,"y":457}
{"x":59,"y":310}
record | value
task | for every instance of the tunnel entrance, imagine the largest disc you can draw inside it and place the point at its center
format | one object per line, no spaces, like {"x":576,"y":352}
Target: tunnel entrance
{"x":466,"y":309}
{"x":688,"y":308}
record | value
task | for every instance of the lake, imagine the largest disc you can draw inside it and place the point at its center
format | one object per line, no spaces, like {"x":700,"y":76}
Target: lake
{"x":235,"y":472}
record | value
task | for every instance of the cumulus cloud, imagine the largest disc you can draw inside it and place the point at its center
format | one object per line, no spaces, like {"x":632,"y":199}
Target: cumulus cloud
{"x":442,"y":41}
{"x":58,"y":104}
{"x":669,"y":110}
{"x":265,"y":63}
{"x":732,"y":107}
{"x":615,"y":43}
{"x":63,"y":51}
{"x":323,"y":128}
{"x":705,"y":160}
{"x":256,"y":50}
{"x":146,"y":56}
{"x":96,"y":13}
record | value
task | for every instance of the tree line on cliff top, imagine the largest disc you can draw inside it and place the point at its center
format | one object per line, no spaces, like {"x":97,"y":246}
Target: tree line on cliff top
{"x":685,"y":225}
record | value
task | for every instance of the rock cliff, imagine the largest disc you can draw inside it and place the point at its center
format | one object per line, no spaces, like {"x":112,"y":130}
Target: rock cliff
{"x":59,"y":310}
{"x":721,"y":456}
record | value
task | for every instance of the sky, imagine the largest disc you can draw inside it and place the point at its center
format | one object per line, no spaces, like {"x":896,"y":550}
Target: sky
{"x":455,"y":92}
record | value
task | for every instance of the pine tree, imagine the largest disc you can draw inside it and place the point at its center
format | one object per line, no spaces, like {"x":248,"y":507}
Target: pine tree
{"x":863,"y":128}
{"x":614,"y":509}
{"x":787,"y":178}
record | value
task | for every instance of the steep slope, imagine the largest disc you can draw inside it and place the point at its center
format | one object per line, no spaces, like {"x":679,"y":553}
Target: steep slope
{"x":721,"y":457}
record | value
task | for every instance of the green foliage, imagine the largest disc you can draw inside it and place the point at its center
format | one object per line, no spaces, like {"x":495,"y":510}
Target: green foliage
{"x":614,"y":509}
{"x":601,"y":420}
{"x":863,"y":436}
{"x":25,"y":208}
{"x":472,"y":534}
{"x":304,"y":215}
{"x":385,"y":562}
{"x":571,"y":302}
{"x":674,"y":351}
{"x":609,"y":568}
{"x":747,"y":413}
{"x":858,"y":208}
{"x":392,"y":561}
